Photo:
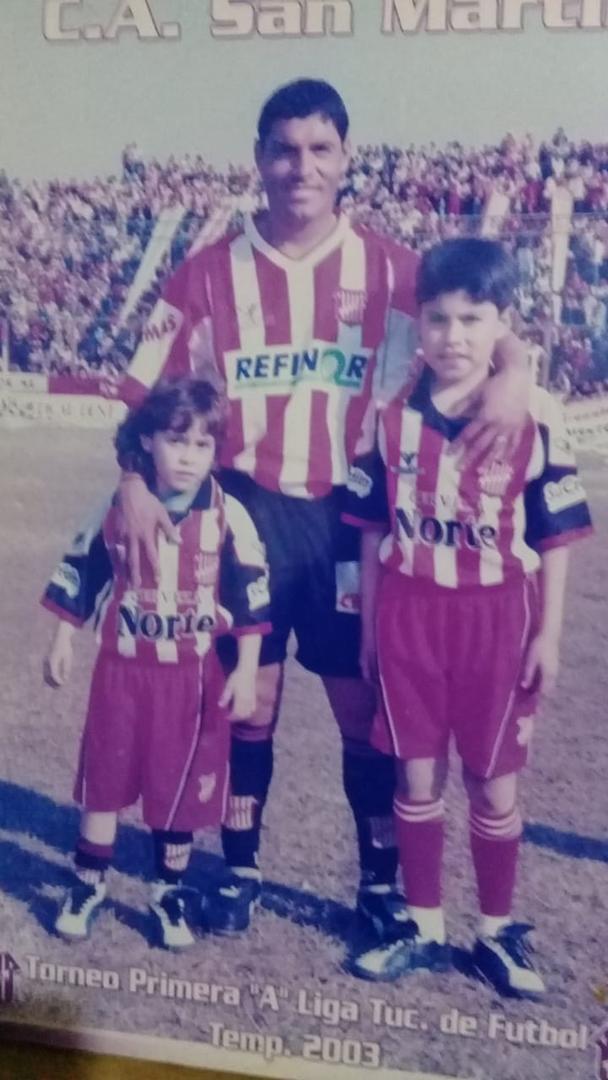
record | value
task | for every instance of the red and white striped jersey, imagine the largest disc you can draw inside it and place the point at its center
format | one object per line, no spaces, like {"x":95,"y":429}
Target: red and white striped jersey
{"x":298,"y":344}
{"x":469,"y":525}
{"x":214,"y":581}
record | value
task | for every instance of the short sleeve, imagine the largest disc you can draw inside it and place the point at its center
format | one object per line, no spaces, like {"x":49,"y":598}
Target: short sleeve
{"x":244,"y":581}
{"x":85,"y":569}
{"x":366,"y":498}
{"x":557,"y":511}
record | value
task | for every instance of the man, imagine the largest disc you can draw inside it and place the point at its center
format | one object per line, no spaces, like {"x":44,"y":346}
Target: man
{"x":302,"y":315}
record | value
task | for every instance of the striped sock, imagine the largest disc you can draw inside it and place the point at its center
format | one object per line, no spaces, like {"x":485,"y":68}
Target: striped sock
{"x":171,"y":854}
{"x":420,"y":838}
{"x":92,"y":860}
{"x":495,"y":847}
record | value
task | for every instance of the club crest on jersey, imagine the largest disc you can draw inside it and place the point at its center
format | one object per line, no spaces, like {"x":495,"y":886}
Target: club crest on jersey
{"x":495,"y":478}
{"x":350,"y":306}
{"x":206,"y":786}
{"x":206,"y":566}
{"x":525,"y":730}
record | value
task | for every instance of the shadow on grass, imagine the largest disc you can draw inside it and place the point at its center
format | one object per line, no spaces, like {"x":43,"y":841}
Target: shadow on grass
{"x":25,"y":875}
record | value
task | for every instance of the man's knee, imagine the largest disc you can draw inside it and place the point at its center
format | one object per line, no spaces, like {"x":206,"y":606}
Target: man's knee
{"x":353,"y":703}
{"x":261,"y":725}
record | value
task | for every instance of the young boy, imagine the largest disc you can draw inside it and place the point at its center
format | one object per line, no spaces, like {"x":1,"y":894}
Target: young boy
{"x":157,"y":723}
{"x":462,"y":604}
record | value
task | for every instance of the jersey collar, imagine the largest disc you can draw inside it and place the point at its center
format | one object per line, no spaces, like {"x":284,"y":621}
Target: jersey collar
{"x":449,"y":427}
{"x":179,"y":506}
{"x":315,"y":256}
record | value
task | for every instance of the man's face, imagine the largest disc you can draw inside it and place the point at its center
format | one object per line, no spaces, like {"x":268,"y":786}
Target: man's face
{"x":458,"y":335}
{"x":302,"y":164}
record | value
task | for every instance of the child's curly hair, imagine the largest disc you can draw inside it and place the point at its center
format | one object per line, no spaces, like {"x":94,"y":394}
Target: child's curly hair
{"x":171,"y":405}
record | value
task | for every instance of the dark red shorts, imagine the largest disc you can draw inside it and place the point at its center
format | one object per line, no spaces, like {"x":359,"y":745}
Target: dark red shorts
{"x":450,"y":660}
{"x":156,"y":732}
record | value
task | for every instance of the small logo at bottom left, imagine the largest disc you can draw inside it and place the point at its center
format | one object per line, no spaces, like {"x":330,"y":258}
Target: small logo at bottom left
{"x":601,"y":1058}
{"x":8,"y":969}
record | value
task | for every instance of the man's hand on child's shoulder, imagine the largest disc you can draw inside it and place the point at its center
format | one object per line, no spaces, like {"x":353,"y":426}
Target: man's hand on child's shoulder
{"x":141,"y":517}
{"x":496,"y":429}
{"x":504,"y":403}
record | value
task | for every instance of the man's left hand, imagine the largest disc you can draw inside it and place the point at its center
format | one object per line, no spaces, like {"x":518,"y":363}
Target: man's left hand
{"x":504,"y":401}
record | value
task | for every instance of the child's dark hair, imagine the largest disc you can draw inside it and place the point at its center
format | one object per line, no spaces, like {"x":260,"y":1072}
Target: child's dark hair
{"x":481,"y":268}
{"x":300,"y":99}
{"x":171,"y":405}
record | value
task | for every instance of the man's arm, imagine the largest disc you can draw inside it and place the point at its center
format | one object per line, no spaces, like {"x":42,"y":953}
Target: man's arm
{"x":542,"y":658}
{"x":71,"y":595}
{"x":557,"y":515}
{"x":164,"y":351}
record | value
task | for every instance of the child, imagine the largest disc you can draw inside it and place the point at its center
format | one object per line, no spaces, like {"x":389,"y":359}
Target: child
{"x":462,"y":600}
{"x":157,"y":725}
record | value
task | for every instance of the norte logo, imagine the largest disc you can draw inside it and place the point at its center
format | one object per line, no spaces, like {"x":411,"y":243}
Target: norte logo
{"x":432,"y":531}
{"x":156,"y":626}
{"x":8,"y":969}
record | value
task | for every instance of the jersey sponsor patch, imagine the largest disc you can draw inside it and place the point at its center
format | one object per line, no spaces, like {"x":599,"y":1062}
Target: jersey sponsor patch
{"x":164,"y":323}
{"x":562,"y":494}
{"x":161,"y":626}
{"x":432,"y":531}
{"x":257,"y":593}
{"x":348,"y":588}
{"x":359,"y":482}
{"x":66,"y":577}
{"x":321,"y":365}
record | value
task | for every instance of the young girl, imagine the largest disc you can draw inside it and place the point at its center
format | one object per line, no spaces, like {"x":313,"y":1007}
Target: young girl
{"x":158,"y":723}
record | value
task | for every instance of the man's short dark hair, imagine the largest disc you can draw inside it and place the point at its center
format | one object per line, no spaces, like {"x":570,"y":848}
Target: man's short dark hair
{"x":481,"y":268}
{"x":300,"y":99}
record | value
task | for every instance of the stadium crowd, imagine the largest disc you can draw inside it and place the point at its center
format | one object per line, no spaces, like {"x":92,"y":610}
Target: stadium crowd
{"x":69,"y":251}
